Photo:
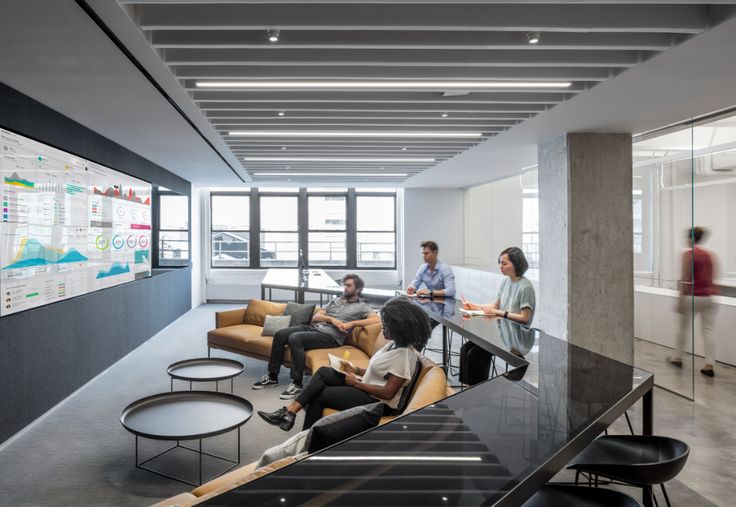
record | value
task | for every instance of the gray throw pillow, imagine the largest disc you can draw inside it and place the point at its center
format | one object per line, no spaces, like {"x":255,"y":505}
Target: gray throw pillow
{"x":274,"y":323}
{"x":292,"y":447}
{"x":301,"y":315}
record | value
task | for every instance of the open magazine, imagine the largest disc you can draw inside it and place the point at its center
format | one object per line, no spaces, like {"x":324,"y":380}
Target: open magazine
{"x":335,"y":364}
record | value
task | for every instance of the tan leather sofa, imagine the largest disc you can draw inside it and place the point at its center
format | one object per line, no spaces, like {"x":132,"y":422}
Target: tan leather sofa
{"x":240,"y":331}
{"x":226,"y":482}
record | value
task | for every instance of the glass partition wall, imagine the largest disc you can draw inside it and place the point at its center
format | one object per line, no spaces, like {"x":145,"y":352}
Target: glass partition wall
{"x":684,"y":209}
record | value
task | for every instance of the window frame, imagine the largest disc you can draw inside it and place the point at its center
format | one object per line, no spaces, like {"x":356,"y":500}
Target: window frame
{"x":294,"y":195}
{"x":248,"y":232}
{"x":534,"y":264}
{"x":344,"y":230}
{"x":156,"y":227}
{"x":394,"y":231}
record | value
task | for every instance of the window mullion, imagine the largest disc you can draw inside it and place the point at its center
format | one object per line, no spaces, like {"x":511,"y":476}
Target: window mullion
{"x":255,"y":228}
{"x":303,"y":225}
{"x":351,"y":237}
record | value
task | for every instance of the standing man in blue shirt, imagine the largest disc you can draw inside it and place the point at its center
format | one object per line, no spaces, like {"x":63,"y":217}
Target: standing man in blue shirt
{"x":436,"y":276}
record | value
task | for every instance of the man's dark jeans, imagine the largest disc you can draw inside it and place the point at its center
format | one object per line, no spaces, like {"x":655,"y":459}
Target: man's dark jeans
{"x":299,"y":339}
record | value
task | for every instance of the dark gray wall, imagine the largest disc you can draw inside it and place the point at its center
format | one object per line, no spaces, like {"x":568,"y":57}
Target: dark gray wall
{"x":49,"y":352}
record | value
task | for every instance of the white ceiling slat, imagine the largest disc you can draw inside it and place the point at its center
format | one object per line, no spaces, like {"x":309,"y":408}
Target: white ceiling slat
{"x":238,"y":108}
{"x":430,"y":40}
{"x":486,"y":97}
{"x":471,"y":17}
{"x":375,"y":58}
{"x":240,"y":72}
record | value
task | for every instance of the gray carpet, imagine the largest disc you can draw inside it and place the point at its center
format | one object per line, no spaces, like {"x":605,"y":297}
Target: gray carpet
{"x":80,"y":454}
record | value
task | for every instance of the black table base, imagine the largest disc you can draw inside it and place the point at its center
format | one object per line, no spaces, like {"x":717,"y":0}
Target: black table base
{"x":217,"y":382}
{"x":198,"y":450}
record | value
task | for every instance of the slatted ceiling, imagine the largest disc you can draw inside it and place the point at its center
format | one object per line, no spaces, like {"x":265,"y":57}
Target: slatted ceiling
{"x":405,"y":41}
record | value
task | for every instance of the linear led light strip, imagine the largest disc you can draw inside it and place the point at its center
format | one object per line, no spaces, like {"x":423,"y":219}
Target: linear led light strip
{"x":337,"y":159}
{"x":396,"y":458}
{"x":334,"y":175}
{"x":440,"y":85}
{"x":339,"y":133}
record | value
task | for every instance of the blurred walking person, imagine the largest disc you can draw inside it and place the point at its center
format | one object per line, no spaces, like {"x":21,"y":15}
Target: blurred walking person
{"x":696,"y":291}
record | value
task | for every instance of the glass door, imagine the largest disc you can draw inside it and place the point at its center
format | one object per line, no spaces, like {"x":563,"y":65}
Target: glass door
{"x":684,"y":207}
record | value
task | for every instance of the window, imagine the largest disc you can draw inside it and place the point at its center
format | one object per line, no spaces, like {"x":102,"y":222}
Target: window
{"x":376,"y":231}
{"x":230,"y":230}
{"x":173,"y":230}
{"x":637,"y":213}
{"x":334,"y":228}
{"x":327,"y":230}
{"x":530,"y":227}
{"x":279,"y":230}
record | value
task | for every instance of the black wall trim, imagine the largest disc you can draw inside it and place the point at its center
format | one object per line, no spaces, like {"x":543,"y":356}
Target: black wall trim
{"x":114,"y":38}
{"x":50,"y":351}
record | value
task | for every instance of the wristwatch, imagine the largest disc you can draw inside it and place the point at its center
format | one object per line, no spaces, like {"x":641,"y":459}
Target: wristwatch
{"x":506,"y":314}
{"x":431,"y":293}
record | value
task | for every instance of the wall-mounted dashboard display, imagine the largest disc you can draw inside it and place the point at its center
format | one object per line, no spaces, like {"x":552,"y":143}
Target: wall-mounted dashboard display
{"x":68,"y":226}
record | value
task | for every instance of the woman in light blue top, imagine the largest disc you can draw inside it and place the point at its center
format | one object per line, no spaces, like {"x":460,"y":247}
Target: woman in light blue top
{"x":516,"y":300}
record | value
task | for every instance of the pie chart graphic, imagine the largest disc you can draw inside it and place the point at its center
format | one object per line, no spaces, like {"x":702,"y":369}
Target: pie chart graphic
{"x":143,"y":241}
{"x":118,"y":242}
{"x":130,"y":241}
{"x":101,"y":242}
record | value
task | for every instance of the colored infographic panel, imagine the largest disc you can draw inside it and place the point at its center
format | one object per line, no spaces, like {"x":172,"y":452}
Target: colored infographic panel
{"x":68,"y":226}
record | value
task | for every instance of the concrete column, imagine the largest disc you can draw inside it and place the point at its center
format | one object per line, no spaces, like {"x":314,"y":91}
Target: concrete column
{"x":585,"y":234}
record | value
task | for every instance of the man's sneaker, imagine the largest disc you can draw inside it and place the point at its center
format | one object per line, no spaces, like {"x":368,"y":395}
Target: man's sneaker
{"x":291,"y":392}
{"x":266,"y":381}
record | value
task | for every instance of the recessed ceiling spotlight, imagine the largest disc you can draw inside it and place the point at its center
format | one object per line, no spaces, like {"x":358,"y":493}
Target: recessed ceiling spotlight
{"x":444,"y":115}
{"x":273,"y":34}
{"x":403,"y":149}
{"x":281,"y":113}
{"x":283,"y":147}
{"x":533,"y":37}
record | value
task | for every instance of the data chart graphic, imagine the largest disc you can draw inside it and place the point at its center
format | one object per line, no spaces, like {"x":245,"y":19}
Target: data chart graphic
{"x":33,"y":253}
{"x":114,"y":270}
{"x":68,"y":226}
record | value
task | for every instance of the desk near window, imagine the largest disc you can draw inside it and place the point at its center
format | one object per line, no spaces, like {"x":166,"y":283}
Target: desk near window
{"x":317,"y":282}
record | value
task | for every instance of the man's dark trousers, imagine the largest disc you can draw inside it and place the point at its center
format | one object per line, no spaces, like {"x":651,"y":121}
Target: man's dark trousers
{"x":299,"y":339}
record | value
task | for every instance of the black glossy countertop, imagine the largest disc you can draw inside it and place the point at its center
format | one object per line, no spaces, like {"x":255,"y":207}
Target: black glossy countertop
{"x":492,"y":444}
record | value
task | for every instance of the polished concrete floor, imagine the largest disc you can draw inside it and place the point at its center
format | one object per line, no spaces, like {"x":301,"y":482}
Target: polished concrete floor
{"x":706,"y":424}
{"x":80,"y":454}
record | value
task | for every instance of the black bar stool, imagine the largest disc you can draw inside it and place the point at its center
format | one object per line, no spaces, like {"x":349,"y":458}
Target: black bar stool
{"x":636,"y":460}
{"x":575,"y":496}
